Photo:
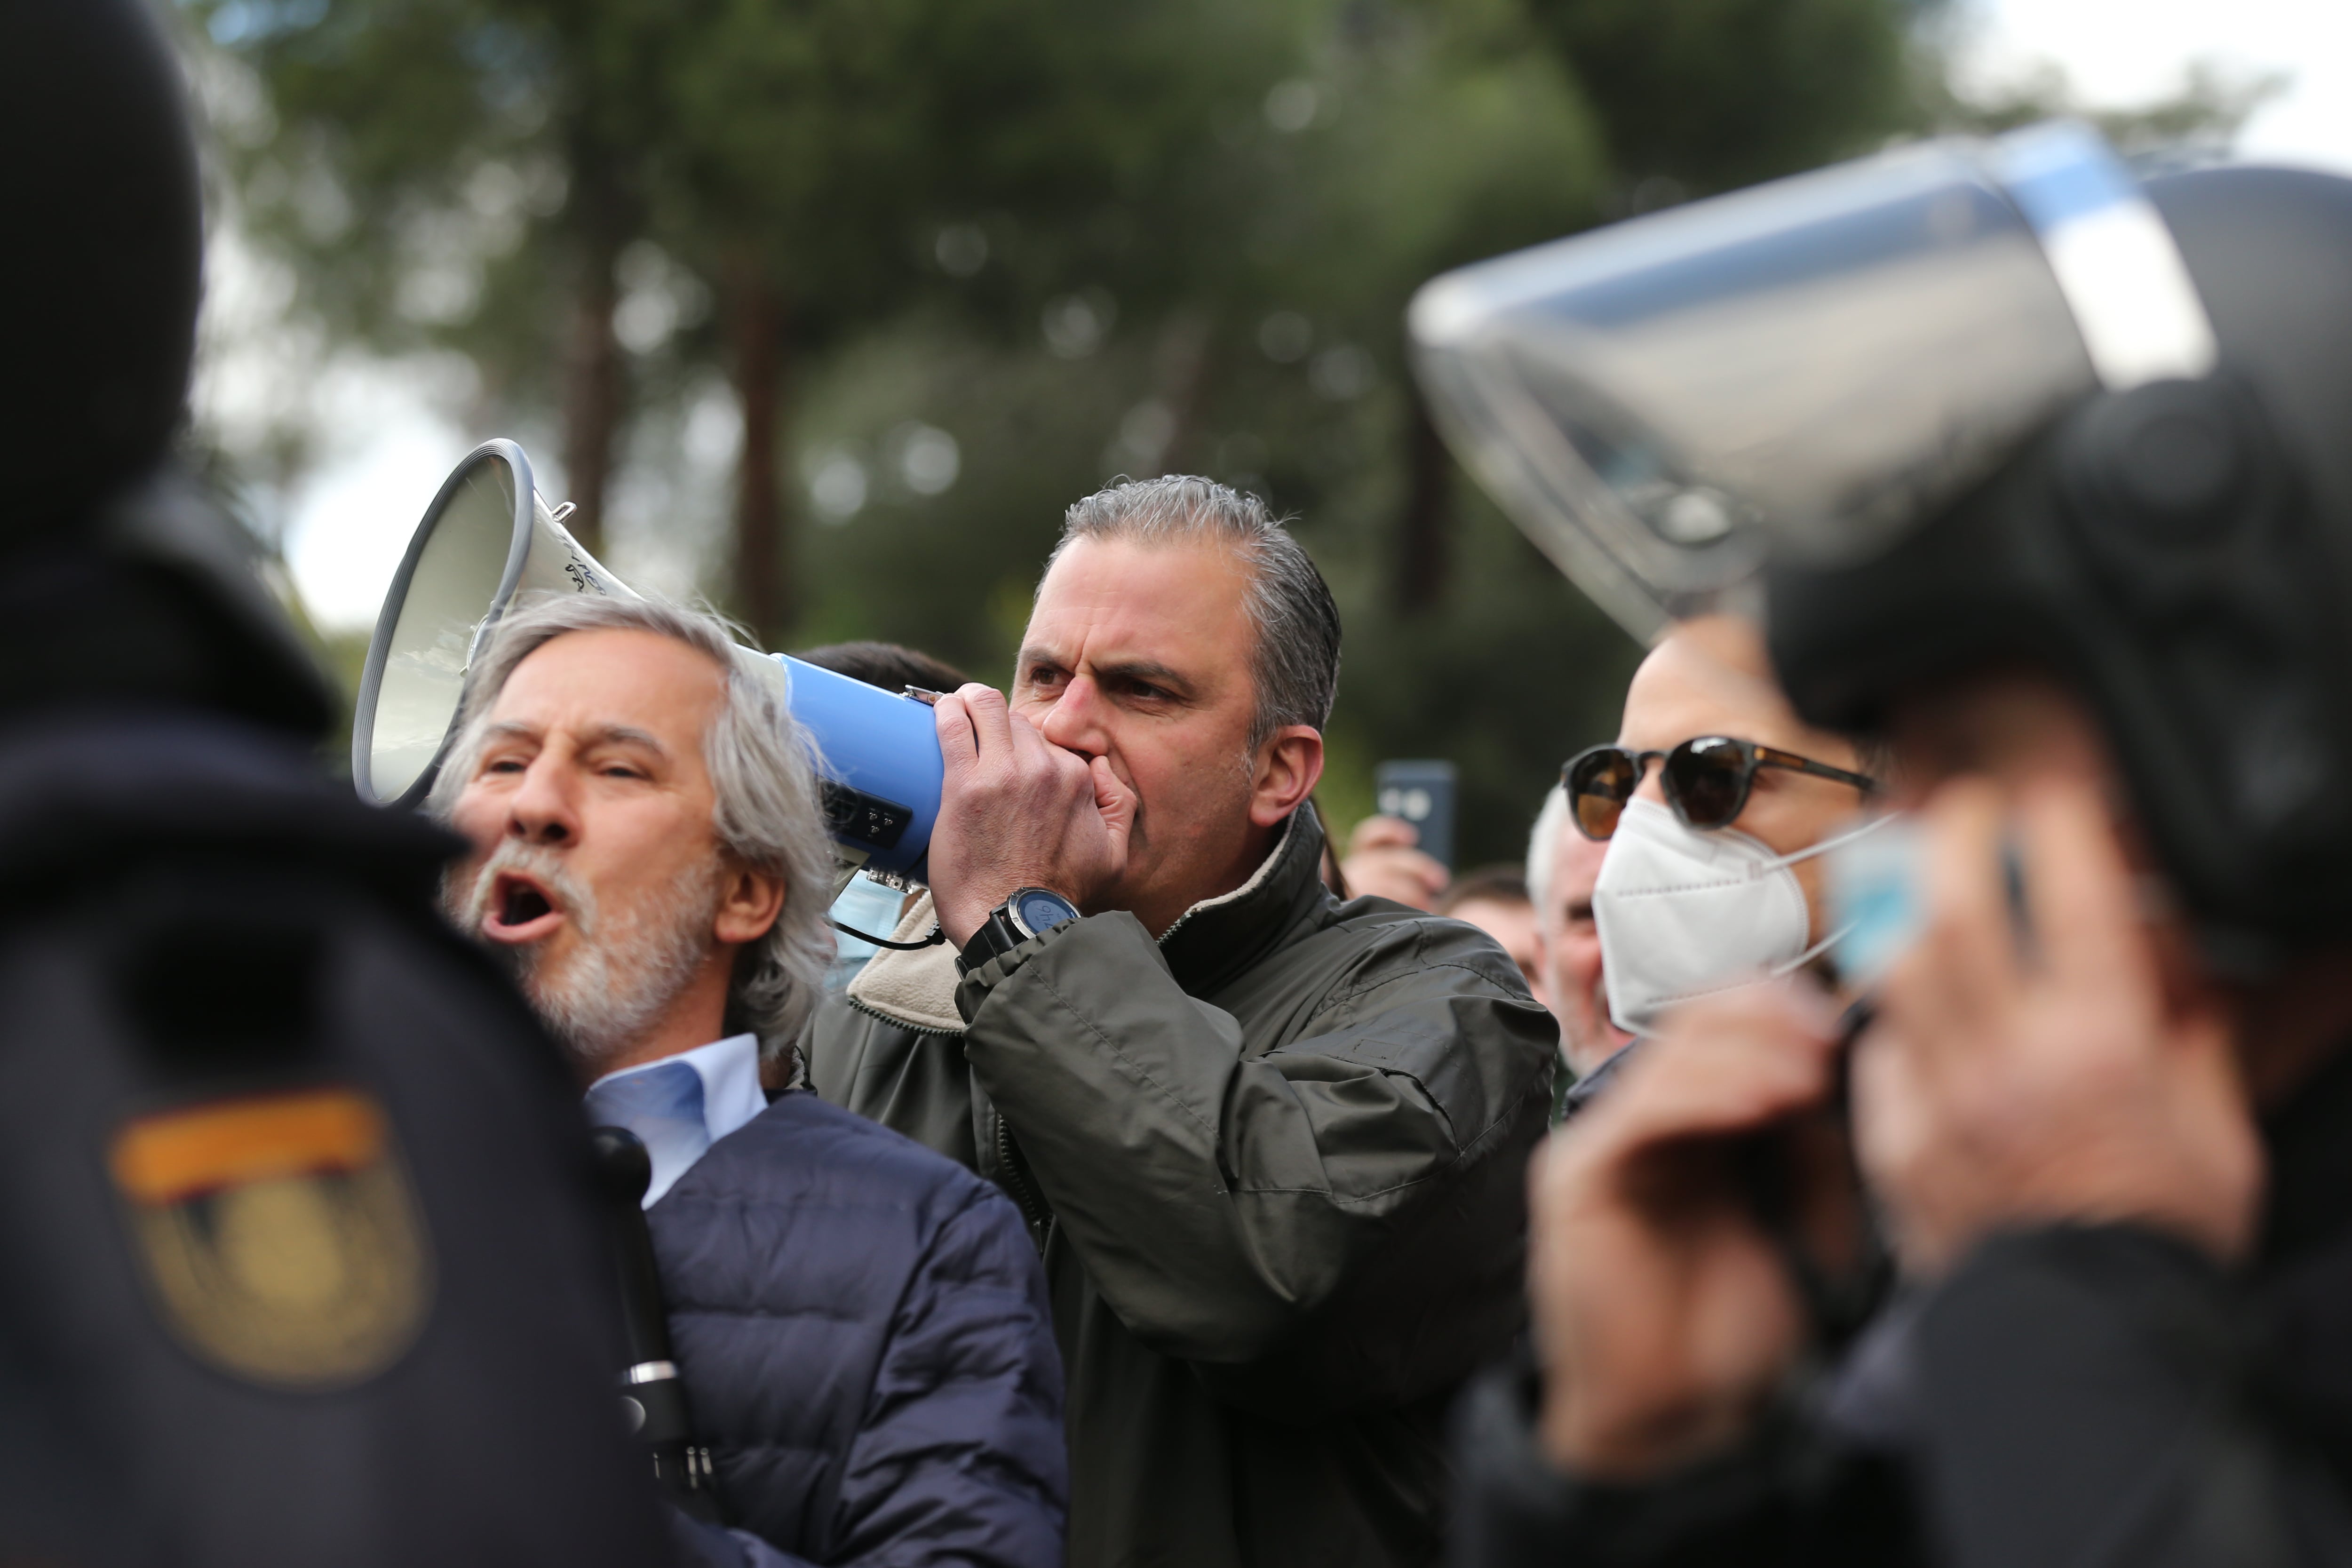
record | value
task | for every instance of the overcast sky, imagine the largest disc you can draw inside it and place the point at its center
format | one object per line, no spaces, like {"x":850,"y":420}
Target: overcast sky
{"x":2126,"y":51}
{"x":385,"y":434}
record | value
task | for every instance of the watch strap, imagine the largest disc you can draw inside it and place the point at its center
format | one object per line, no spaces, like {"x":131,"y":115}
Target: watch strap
{"x":1004,"y":929}
{"x":995,"y":938}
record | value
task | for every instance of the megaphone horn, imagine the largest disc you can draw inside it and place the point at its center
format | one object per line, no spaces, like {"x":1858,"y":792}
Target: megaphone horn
{"x":489,"y":536}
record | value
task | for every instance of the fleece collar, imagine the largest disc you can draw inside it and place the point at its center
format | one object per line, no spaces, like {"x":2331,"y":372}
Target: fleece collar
{"x":1219,"y":938}
{"x":915,"y":986}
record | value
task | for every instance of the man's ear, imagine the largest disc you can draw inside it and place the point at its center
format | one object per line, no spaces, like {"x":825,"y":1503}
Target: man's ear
{"x":749,"y":906}
{"x":1289,"y":767}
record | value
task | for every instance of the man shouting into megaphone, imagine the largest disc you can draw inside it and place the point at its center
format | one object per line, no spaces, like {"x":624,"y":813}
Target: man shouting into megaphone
{"x":1270,"y":1144}
{"x":859,"y":1327}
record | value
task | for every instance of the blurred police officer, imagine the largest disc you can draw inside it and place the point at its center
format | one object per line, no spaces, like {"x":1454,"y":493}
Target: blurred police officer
{"x":2105,"y":1111}
{"x":296,"y":1264}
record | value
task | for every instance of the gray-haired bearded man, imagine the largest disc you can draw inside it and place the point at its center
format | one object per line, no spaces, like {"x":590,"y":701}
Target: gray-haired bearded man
{"x":1272,"y":1146}
{"x":861,"y":1326}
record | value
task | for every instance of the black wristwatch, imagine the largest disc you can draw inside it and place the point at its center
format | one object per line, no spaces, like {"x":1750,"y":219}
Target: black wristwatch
{"x":1030,"y":911}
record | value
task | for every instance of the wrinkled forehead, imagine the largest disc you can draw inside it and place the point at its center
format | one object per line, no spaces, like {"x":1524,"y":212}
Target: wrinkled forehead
{"x":613,"y":681}
{"x":1180,"y":603}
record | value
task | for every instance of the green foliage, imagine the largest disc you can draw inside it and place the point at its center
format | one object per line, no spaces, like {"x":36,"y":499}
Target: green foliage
{"x":1507,"y":680}
{"x":1082,"y":238}
{"x":438,"y":165}
{"x":836,"y":138}
{"x":1326,"y":227}
{"x":1712,"y":94}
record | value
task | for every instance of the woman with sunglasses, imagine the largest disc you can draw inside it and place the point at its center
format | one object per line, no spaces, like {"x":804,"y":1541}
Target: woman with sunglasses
{"x":1716,"y":803}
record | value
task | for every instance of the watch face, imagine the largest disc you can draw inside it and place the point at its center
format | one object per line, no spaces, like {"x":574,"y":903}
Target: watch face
{"x":1039,"y":910}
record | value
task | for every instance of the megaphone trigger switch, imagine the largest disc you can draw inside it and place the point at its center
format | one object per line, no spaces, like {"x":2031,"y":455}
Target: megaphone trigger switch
{"x":853,"y":814}
{"x":880,"y":770}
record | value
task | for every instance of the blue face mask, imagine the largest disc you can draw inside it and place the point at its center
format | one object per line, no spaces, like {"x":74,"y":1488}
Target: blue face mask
{"x":1875,"y":901}
{"x":1877,"y":890}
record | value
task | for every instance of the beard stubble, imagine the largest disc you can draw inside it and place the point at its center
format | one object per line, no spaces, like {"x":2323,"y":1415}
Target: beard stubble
{"x":628,"y":962}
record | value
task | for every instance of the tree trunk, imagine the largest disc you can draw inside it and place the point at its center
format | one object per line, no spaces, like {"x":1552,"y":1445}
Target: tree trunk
{"x":762,"y":555}
{"x":1422,"y":563}
{"x":592,"y":388}
{"x":1179,"y":365}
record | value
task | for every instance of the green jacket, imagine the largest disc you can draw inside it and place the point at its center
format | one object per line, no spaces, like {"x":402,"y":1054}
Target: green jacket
{"x":1275,"y":1161}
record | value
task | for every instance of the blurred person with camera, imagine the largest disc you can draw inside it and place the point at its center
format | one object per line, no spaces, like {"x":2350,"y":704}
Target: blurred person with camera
{"x":1385,"y":860}
{"x":1272,"y":1146}
{"x":861,"y":1327}
{"x":302,"y":1256}
{"x":2104,"y":1105}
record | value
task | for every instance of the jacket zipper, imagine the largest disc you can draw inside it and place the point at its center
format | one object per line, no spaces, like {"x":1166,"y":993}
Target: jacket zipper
{"x":1035,"y":1212}
{"x":1033,"y":1205}
{"x":896,"y":1022}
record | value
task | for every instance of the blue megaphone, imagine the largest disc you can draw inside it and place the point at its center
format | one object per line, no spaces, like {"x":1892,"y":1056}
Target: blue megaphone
{"x":489,"y":536}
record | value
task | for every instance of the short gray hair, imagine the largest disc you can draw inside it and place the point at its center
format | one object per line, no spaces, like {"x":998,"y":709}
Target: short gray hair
{"x":763,"y":770}
{"x":1543,"y":849}
{"x":1296,"y":664}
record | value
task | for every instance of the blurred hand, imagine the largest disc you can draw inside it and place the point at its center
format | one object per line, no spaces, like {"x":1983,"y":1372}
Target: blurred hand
{"x":1383,"y":862}
{"x":1016,"y":811}
{"x":1663,"y":1314}
{"x":2000,"y":1088}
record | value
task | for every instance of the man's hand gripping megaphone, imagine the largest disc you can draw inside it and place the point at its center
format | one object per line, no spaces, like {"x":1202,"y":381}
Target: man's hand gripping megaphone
{"x":1017,"y":811}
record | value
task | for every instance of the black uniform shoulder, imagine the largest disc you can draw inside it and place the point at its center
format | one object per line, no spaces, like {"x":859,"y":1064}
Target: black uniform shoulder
{"x":91,"y":787}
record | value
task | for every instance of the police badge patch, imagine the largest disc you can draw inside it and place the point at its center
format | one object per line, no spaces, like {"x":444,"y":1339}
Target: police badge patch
{"x":279,"y":1234}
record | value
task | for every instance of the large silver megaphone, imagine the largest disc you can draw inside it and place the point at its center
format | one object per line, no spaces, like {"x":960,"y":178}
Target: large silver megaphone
{"x":488,"y":536}
{"x":1812,"y":366}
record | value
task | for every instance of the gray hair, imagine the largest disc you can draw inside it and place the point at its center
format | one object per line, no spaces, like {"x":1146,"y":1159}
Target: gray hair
{"x":1543,"y":849}
{"x":1296,"y":664}
{"x":763,"y":770}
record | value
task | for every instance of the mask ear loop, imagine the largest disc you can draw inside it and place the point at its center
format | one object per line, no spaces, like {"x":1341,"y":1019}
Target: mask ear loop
{"x":936,"y":937}
{"x":1783,"y":862}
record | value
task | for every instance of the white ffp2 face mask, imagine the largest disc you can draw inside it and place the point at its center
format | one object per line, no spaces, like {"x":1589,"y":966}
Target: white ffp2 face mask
{"x":1684,"y":913}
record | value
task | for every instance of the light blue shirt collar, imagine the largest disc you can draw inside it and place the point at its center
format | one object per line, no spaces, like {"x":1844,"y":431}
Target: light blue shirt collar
{"x":680,"y":1105}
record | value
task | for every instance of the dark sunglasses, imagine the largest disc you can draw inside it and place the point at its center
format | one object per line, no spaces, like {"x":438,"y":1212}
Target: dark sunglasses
{"x":1706,"y":780}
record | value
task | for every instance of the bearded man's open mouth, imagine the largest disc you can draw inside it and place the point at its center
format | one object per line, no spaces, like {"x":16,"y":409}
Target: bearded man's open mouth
{"x":520,"y":908}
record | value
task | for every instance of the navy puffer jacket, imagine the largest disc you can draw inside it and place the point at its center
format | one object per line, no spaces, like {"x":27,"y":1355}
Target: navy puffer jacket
{"x":863,"y":1332}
